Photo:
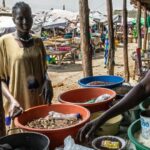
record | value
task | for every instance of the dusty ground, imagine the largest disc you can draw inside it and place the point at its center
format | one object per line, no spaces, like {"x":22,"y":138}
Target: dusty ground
{"x":65,"y":78}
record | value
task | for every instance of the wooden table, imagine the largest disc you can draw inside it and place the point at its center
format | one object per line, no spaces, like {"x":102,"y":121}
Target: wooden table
{"x":52,"y":44}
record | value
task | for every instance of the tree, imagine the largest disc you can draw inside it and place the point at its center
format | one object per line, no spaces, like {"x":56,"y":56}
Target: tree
{"x":125,"y":35}
{"x":85,"y":38}
{"x":139,"y":24}
{"x":111,"y":54}
{"x":146,"y":29}
{"x":3,"y":3}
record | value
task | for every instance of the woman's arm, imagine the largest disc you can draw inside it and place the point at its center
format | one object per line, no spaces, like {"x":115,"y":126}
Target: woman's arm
{"x":6,"y":91}
{"x":13,"y":102}
{"x":132,"y":99}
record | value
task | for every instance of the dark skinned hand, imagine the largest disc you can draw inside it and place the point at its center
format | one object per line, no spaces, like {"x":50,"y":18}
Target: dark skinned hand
{"x":47,"y":91}
{"x":88,"y":130}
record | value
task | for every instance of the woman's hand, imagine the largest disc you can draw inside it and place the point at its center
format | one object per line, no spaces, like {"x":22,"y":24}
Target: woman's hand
{"x":47,"y":91}
{"x":88,"y":130}
{"x":14,"y":109}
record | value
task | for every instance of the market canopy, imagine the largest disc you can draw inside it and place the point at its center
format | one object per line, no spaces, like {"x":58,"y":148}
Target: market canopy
{"x":53,"y":19}
{"x":57,"y":23}
{"x":98,"y":16}
{"x":56,"y":13}
{"x":134,"y":21}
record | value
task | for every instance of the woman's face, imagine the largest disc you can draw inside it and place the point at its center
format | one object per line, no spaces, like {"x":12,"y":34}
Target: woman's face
{"x":23,"y":20}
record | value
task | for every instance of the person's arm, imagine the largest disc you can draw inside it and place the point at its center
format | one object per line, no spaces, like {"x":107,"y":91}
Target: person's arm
{"x":13,"y":102}
{"x":133,"y":98}
{"x":6,"y":92}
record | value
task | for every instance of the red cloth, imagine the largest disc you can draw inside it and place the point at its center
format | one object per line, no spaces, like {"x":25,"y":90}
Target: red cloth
{"x":64,"y":48}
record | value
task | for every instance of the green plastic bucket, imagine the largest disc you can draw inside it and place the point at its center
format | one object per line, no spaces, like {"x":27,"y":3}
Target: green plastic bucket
{"x":135,"y":127}
{"x":144,"y":105}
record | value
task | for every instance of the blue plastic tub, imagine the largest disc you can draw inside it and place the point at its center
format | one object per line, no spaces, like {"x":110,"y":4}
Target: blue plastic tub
{"x":115,"y":80}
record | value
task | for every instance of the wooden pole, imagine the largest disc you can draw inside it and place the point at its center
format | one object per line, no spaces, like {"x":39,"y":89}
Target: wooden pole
{"x":2,"y":116}
{"x":3,"y":3}
{"x":125,"y":36}
{"x":146,"y":29}
{"x":111,"y":53}
{"x":85,"y":38}
{"x":139,"y":24}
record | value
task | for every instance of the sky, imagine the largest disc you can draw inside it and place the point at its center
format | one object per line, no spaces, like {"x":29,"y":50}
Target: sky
{"x":71,"y":5}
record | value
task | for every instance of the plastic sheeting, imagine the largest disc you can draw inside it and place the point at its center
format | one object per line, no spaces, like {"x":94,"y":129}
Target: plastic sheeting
{"x":6,"y":25}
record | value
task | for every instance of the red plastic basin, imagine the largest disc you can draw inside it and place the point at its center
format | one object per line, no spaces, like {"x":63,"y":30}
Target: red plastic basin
{"x":56,"y":136}
{"x":81,"y":95}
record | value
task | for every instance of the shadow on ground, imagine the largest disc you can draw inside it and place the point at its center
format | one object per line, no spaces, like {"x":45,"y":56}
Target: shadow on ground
{"x":66,"y":67}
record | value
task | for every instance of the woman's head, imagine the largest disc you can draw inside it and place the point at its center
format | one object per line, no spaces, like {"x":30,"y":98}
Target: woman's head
{"x":22,"y":17}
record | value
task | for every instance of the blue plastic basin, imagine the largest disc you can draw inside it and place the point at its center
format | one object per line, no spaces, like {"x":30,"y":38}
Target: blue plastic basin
{"x":115,"y":80}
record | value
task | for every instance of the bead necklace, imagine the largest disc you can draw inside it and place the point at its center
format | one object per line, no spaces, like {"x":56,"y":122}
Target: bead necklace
{"x":27,"y":40}
{"x":24,"y":40}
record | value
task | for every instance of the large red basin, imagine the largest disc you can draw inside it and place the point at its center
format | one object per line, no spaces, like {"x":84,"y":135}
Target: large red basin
{"x":56,"y":136}
{"x":81,"y":95}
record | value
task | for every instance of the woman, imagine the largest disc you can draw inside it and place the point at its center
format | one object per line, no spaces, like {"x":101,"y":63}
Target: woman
{"x":139,"y":93}
{"x":25,"y":82}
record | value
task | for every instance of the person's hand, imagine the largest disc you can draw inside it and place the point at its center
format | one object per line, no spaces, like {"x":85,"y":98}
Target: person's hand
{"x":47,"y":91}
{"x":14,"y":109}
{"x":88,"y":130}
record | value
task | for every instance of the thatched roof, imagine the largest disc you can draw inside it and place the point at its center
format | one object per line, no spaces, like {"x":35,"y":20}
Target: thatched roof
{"x":144,"y":3}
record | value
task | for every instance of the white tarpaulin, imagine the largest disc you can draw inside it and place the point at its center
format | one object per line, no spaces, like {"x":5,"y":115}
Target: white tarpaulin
{"x":6,"y":22}
{"x":57,"y":23}
{"x":56,"y":13}
{"x":6,"y":25}
{"x":54,"y":16}
{"x":98,"y":16}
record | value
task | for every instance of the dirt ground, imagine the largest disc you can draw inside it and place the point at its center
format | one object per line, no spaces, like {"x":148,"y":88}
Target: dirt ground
{"x":66,"y":76}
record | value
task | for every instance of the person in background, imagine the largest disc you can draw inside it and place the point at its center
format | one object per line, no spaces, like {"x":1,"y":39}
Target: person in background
{"x":102,"y":38}
{"x":25,"y":82}
{"x":135,"y":34}
{"x":106,"y":49}
{"x":142,"y":31}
